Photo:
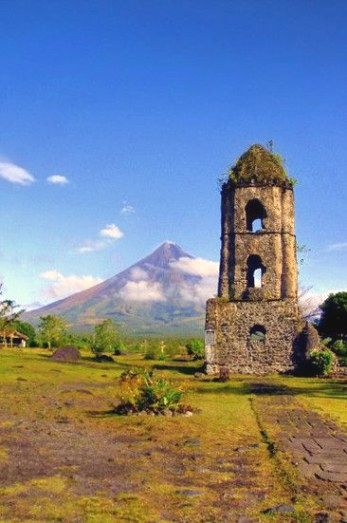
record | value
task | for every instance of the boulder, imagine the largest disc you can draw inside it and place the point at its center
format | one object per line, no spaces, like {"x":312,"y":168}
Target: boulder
{"x":67,"y":354}
{"x":311,"y":338}
{"x":307,"y":341}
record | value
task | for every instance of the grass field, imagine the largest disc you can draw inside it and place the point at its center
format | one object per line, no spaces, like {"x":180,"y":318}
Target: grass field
{"x":64,"y":456}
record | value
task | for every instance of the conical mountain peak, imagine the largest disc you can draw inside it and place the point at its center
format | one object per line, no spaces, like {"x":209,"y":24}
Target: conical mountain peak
{"x":165,"y":254}
{"x":152,"y":295}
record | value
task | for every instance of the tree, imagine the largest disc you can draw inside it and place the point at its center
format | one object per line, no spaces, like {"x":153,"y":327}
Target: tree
{"x":333,"y":321}
{"x":104,"y":337}
{"x":52,"y":330}
{"x":196,"y":349}
{"x":27,"y":329}
{"x":8,"y":315}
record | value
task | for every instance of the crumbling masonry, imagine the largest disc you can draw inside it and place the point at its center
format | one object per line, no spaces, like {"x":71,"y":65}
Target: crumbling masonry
{"x":254,"y":323}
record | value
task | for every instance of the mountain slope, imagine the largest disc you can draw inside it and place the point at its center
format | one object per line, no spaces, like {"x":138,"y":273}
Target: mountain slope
{"x":162,"y":293}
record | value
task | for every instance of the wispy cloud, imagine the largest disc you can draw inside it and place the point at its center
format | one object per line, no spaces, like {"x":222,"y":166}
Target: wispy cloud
{"x":127,"y":209}
{"x":111,"y":231}
{"x":61,"y":286}
{"x":14,"y":174}
{"x":91,"y":246}
{"x":57,"y":179}
{"x":337,"y":247}
{"x":138,"y":274}
{"x":197,"y":267}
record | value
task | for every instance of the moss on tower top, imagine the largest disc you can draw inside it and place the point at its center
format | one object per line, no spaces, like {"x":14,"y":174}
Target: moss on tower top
{"x":259,"y":165}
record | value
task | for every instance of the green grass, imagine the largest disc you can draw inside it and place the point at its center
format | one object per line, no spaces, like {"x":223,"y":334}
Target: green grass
{"x":170,"y":468}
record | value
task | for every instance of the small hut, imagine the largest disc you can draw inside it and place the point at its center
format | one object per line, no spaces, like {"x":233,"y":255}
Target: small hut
{"x":13,"y":339}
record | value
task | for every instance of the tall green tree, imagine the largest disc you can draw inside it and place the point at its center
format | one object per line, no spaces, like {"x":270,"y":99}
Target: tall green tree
{"x":52,"y":330}
{"x":333,"y":321}
{"x":104,"y":337}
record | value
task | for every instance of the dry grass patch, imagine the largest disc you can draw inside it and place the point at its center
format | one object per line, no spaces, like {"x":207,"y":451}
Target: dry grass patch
{"x":70,"y":458}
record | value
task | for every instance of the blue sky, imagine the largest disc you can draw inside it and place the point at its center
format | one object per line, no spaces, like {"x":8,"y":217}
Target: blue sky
{"x":141,"y":105}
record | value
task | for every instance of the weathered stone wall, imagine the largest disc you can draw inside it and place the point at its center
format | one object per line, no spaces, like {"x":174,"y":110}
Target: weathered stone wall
{"x":229,"y":343}
{"x":275,"y":244}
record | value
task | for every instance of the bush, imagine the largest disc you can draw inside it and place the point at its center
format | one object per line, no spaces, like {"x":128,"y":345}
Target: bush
{"x":129,"y":390}
{"x":158,"y":395}
{"x":119,"y":348}
{"x":339,"y":347}
{"x":140,"y":391}
{"x":321,"y":362}
{"x":154,"y":351}
{"x":196,"y":349}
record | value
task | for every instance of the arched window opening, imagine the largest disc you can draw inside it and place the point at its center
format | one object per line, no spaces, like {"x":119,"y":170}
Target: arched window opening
{"x":257,"y":278}
{"x":255,"y":271}
{"x":255,"y":215}
{"x":257,"y":333}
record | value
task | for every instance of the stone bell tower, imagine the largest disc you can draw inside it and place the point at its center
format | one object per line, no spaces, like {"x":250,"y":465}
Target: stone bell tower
{"x":253,"y":324}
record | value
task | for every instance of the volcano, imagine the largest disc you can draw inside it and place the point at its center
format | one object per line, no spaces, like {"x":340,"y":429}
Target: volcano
{"x":164,"y":293}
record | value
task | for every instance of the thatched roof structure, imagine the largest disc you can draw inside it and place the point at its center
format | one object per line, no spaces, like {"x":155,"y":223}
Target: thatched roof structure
{"x":259,"y":165}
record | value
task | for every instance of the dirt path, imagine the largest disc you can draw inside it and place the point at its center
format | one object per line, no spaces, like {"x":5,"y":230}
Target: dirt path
{"x":317,"y":447}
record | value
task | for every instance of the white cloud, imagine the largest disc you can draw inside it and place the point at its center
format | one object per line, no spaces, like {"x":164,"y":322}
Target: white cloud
{"x":138,"y":274}
{"x":57,"y":179}
{"x":142,"y":291}
{"x":62,"y":286}
{"x":127,"y":209}
{"x":199,"y":292}
{"x":197,"y":267}
{"x":337,"y":247}
{"x":111,"y":231}
{"x":206,"y":272}
{"x":92,"y":246}
{"x":14,"y":174}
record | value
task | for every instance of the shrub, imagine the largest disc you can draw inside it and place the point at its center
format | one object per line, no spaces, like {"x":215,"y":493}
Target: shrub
{"x":196,"y":349}
{"x":339,"y":347}
{"x":158,"y":395}
{"x":155,"y":351}
{"x":321,"y":362}
{"x":119,"y":348}
{"x":129,"y":391}
{"x":140,"y":391}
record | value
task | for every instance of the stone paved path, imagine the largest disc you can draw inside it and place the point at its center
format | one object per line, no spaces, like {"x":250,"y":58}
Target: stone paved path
{"x":318,"y":447}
